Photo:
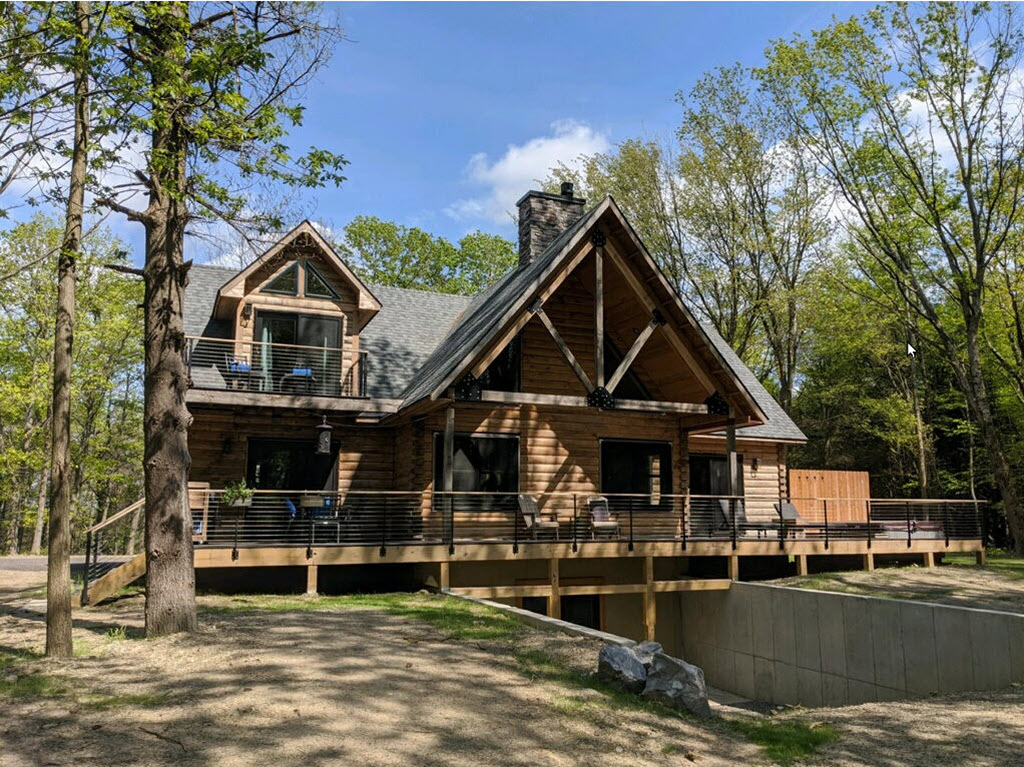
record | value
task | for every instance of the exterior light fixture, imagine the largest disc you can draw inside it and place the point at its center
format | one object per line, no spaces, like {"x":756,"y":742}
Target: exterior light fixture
{"x":247,"y":310}
{"x":323,"y":438}
{"x":755,"y":465}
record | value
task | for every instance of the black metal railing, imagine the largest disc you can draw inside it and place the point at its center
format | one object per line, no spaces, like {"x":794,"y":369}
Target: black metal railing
{"x":255,"y":366}
{"x":386,"y":519}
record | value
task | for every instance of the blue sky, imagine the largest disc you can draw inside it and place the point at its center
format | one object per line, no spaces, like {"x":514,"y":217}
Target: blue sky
{"x":448,"y":112}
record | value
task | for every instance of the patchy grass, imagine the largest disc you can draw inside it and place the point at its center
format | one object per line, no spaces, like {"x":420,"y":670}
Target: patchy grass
{"x":17,"y":682}
{"x":998,"y":561}
{"x":785,"y":741}
{"x":455,"y":618}
{"x":103,"y":702}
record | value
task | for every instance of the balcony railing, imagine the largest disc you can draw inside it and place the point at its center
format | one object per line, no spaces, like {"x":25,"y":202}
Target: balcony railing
{"x":256,"y":366}
{"x":384,"y":519}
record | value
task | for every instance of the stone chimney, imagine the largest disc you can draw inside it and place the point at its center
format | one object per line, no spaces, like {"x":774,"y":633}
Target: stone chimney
{"x":542,"y":217}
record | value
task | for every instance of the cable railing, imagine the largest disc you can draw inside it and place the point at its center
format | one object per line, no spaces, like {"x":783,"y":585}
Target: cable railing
{"x":257,"y":366}
{"x":383,"y":519}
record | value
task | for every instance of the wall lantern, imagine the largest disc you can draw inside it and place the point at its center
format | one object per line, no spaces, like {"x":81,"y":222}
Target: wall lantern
{"x":755,"y":465}
{"x":323,"y":438}
{"x":247,"y":310}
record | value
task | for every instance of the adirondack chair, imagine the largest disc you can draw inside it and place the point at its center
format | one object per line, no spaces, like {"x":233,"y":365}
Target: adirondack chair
{"x":533,"y":521}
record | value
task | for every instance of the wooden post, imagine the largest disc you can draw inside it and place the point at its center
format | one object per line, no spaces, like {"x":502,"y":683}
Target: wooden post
{"x":443,"y":576}
{"x":929,"y":559}
{"x":650,"y":607}
{"x":449,"y":448}
{"x":734,"y":568}
{"x":599,"y":315}
{"x":555,"y":600}
{"x":869,"y":561}
{"x":980,"y":557}
{"x":311,"y":578}
{"x":730,"y":447}
{"x":801,"y":564}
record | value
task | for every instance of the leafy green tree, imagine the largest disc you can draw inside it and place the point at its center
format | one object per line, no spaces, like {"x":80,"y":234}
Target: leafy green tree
{"x":910,"y":110}
{"x":386,"y":253}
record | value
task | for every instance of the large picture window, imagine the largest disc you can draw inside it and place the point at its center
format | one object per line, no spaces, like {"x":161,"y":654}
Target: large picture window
{"x":481,"y":463}
{"x":636,"y":468}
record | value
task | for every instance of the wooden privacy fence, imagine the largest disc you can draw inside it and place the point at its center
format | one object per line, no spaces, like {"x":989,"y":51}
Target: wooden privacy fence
{"x":807,"y":486}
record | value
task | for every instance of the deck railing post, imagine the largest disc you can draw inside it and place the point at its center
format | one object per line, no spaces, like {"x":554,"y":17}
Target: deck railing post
{"x":312,"y":540}
{"x":450,"y":508}
{"x":732,"y":515}
{"x":909,"y":532}
{"x":782,"y":526}
{"x":630,"y":523}
{"x":234,"y":548}
{"x":824,"y":506}
{"x":686,"y":502}
{"x":384,"y":528}
{"x":981,"y":520}
{"x":867,"y":504}
{"x":515,"y":533}
{"x":945,"y":521}
{"x":85,"y":571}
{"x":575,"y":523}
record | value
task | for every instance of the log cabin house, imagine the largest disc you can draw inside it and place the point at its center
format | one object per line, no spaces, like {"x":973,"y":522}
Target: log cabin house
{"x":572,"y":439}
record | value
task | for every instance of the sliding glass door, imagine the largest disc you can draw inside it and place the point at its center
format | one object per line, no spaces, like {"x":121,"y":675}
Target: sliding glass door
{"x":298,"y":353}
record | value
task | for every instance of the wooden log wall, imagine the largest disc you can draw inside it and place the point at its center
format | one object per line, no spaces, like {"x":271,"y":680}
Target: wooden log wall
{"x":763,"y":487}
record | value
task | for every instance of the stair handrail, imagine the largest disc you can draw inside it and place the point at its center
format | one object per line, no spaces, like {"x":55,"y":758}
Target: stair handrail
{"x":122,"y":513}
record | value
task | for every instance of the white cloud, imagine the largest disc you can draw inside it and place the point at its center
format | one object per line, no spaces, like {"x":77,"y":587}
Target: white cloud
{"x":506,"y":179}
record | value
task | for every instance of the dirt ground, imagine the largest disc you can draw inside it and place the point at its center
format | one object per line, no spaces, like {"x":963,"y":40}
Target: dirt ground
{"x":980,"y":587}
{"x":358,"y":686}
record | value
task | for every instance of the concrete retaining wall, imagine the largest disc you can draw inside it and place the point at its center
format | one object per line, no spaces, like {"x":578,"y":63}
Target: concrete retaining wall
{"x":796,"y":646}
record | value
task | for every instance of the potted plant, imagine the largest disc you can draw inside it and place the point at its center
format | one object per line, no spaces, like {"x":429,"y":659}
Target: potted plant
{"x":237,"y":495}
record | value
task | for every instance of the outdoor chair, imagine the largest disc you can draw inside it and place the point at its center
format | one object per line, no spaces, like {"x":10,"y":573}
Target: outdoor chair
{"x":239,"y":370}
{"x":533,"y":521}
{"x":601,"y":519}
{"x":743,"y":525}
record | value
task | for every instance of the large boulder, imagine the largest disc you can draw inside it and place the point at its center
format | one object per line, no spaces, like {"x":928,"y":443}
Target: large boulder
{"x":619,"y":666}
{"x":645,"y":652}
{"x":678,"y":684}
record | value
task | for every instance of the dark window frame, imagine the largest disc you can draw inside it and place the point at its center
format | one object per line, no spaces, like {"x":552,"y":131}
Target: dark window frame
{"x":717,"y":457}
{"x":500,"y":499}
{"x":309,"y":268}
{"x":294,"y":266}
{"x":666,"y":472}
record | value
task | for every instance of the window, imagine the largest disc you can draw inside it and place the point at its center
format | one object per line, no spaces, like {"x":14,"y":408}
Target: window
{"x":503,"y":373}
{"x":634,"y":467}
{"x":709,"y":475}
{"x":481,"y":464}
{"x":273,"y":464}
{"x":316,"y":285}
{"x":630,"y":386}
{"x":297,"y":353}
{"x":286,"y":282}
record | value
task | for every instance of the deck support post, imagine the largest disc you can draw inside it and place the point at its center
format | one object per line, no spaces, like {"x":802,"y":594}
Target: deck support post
{"x":443,"y":576}
{"x":929,"y":559}
{"x":734,"y":567}
{"x":311,"y":579}
{"x":869,"y":561}
{"x":801,"y":564}
{"x":980,"y":557}
{"x":555,"y":600}
{"x":650,"y":607}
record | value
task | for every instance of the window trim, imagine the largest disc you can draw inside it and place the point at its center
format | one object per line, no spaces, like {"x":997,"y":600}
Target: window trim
{"x":671,"y":466}
{"x":471,"y":435}
{"x":308,"y":267}
{"x":278,"y":275}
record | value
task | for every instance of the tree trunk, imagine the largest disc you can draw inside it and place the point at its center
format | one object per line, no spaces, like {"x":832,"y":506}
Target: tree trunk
{"x":58,"y":593}
{"x":37,"y":533}
{"x":978,"y":395}
{"x":170,"y":575}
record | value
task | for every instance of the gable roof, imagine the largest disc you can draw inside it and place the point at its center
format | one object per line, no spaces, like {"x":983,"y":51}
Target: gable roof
{"x":234,"y":287}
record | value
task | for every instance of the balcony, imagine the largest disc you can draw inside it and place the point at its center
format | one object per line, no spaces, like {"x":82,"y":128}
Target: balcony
{"x":218,"y":364}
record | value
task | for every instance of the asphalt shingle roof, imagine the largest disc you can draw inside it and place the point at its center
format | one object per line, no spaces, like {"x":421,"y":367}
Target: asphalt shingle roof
{"x":418,"y":338}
